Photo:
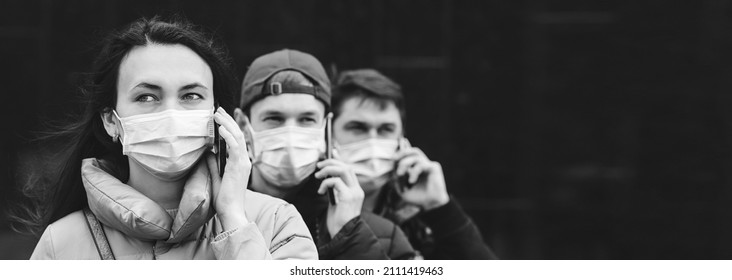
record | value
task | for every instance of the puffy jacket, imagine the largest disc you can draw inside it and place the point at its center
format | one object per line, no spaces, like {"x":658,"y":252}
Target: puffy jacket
{"x":138,"y":228}
{"x":446,"y":232}
{"x":365,"y":237}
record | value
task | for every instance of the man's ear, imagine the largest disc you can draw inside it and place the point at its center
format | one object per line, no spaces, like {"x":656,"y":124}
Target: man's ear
{"x":246,"y":127}
{"x":111,"y":125}
{"x":243,"y":121}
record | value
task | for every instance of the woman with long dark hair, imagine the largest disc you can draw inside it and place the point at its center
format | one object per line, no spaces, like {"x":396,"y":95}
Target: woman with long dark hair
{"x":138,"y":180}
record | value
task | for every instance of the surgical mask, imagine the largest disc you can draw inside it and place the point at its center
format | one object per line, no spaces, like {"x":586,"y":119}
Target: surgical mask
{"x":372,"y":160}
{"x":167,"y":144}
{"x":285,"y":156}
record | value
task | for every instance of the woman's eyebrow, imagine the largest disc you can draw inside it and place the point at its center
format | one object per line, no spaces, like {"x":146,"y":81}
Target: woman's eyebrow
{"x":148,"y":86}
{"x":192,"y":86}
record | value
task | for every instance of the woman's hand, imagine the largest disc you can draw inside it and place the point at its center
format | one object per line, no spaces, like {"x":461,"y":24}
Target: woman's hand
{"x":229,"y":191}
{"x":348,"y":193}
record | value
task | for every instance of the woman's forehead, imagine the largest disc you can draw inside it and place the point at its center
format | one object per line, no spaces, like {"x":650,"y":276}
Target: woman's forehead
{"x":163,"y":65}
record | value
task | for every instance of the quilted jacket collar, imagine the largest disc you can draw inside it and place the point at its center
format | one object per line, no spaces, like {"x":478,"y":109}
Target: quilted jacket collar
{"x":120,"y":206}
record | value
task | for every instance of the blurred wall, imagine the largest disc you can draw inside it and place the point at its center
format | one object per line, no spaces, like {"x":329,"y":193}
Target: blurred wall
{"x":567,"y":129}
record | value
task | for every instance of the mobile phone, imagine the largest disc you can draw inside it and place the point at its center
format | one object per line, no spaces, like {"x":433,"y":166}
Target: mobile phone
{"x":329,"y":149}
{"x":401,"y":211}
{"x":219,"y":149}
{"x":402,"y":182}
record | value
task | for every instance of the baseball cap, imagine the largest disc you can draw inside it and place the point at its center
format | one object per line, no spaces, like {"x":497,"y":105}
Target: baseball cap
{"x":256,"y":81}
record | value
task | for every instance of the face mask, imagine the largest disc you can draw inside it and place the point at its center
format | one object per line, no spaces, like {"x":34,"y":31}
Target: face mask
{"x":372,"y":160}
{"x":285,"y":156}
{"x":167,"y":144}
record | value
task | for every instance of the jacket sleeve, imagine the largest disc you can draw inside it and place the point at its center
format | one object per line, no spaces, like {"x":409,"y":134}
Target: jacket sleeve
{"x":400,"y":248}
{"x":242,"y":243}
{"x":44,"y":249}
{"x":456,"y":236}
{"x":291,"y":240}
{"x":355,"y":241}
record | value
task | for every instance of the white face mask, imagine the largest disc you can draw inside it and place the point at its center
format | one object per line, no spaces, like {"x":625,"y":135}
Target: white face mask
{"x":167,"y":144}
{"x":372,"y":160}
{"x":285,"y":156}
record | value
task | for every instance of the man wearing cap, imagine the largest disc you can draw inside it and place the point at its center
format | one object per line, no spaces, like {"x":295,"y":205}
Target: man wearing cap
{"x":284,"y":101}
{"x":399,"y":181}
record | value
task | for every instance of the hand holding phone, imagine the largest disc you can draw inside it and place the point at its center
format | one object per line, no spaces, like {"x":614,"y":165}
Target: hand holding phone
{"x":219,"y":149}
{"x":420,"y":180}
{"x":231,"y":162}
{"x":401,"y":182}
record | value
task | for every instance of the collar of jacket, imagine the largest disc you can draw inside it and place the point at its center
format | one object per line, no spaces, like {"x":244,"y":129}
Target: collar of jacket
{"x":121,"y":207}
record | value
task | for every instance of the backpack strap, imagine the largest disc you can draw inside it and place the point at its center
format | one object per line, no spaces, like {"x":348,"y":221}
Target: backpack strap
{"x":100,"y":238}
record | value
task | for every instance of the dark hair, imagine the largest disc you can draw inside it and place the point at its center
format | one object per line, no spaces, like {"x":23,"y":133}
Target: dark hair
{"x":369,"y":85}
{"x":56,"y":195}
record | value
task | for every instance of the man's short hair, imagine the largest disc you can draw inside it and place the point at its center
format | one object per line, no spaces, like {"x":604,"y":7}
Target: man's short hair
{"x":370,"y":85}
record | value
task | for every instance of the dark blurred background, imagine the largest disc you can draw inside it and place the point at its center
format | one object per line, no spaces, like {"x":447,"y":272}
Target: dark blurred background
{"x":570,"y":129}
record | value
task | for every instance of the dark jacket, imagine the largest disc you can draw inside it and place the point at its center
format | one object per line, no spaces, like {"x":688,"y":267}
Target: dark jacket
{"x":446,"y":232}
{"x":367,"y":236}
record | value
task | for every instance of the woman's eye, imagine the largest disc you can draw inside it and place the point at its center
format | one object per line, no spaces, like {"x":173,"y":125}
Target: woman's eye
{"x":192,"y":96}
{"x":146,"y":98}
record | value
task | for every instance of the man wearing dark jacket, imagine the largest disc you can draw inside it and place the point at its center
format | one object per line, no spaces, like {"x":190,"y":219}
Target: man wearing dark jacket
{"x":399,"y":181}
{"x":284,"y":100}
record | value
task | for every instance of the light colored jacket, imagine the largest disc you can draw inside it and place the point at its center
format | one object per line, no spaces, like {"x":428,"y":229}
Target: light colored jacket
{"x":138,"y":228}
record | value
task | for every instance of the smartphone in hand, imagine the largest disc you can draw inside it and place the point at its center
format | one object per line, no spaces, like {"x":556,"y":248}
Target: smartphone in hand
{"x":219,"y":148}
{"x":400,"y":211}
{"x":329,"y":150}
{"x":401,"y":182}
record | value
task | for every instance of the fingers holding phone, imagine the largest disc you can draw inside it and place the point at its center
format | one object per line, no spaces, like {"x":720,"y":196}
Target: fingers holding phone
{"x":424,"y":178}
{"x":228,"y":195}
{"x":337,"y":176}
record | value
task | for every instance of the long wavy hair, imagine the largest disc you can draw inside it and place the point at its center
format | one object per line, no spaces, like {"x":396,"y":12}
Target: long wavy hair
{"x":48,"y":195}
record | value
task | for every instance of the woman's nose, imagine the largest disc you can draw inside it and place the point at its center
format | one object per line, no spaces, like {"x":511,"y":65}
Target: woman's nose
{"x":171,"y":104}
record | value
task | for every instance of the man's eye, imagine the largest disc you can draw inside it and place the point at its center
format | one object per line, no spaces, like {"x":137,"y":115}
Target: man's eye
{"x":356,"y":128}
{"x":307,"y":120}
{"x":146,"y":98}
{"x":192,"y":96}
{"x":272,"y":119}
{"x":386,"y":130}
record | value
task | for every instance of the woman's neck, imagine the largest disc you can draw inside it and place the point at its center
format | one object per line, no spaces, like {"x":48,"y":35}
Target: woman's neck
{"x":167,"y":194}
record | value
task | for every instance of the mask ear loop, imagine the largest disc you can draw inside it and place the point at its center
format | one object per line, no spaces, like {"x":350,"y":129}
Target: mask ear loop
{"x":119,"y":136}
{"x":250,"y":144}
{"x":328,"y":135}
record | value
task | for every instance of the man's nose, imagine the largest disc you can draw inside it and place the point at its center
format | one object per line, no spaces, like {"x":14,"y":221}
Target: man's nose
{"x":373,"y":133}
{"x":291,"y":122}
